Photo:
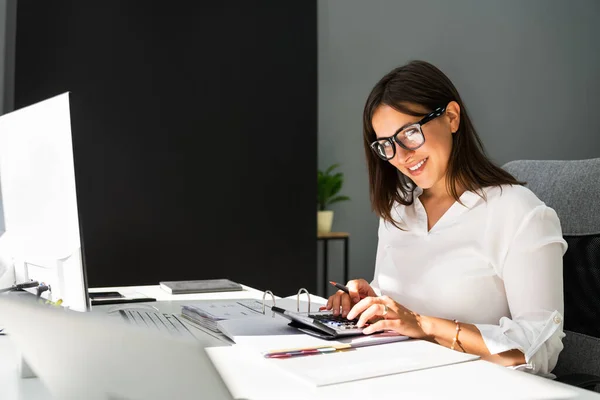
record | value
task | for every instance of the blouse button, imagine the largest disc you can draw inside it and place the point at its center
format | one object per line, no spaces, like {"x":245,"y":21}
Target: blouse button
{"x":557,"y":320}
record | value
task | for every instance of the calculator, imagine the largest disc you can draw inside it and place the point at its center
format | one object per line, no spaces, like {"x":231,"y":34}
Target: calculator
{"x":322,"y":324}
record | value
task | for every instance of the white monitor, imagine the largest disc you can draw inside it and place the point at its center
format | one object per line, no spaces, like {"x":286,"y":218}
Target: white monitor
{"x":95,"y":357}
{"x":39,"y":200}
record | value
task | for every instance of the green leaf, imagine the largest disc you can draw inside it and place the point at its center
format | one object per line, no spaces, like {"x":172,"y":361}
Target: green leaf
{"x":328,"y":186}
{"x":331,"y":168}
{"x":337,"y":181}
{"x":338,"y":199}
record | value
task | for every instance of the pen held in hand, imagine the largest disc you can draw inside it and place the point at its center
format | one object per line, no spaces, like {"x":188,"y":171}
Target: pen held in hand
{"x":340,"y":286}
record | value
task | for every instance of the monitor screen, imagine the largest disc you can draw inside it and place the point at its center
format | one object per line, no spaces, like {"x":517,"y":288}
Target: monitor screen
{"x":39,"y":201}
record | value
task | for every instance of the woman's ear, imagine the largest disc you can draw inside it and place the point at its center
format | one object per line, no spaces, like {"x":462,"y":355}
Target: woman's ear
{"x":453,"y":116}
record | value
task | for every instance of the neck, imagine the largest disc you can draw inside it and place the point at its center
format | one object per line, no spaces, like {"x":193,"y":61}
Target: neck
{"x":439,"y":191}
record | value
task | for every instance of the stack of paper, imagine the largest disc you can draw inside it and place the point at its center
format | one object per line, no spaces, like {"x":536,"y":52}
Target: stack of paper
{"x":207,"y":314}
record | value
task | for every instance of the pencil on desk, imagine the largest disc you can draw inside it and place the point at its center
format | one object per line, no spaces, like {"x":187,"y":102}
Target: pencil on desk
{"x":284,"y":353}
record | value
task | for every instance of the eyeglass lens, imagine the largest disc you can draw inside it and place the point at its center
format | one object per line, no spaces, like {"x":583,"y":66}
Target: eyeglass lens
{"x":410,"y":138}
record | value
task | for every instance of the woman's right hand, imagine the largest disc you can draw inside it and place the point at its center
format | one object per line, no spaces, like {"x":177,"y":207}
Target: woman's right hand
{"x":358,"y":288}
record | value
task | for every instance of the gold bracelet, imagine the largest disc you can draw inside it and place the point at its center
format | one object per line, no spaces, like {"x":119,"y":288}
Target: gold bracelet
{"x":455,"y":341}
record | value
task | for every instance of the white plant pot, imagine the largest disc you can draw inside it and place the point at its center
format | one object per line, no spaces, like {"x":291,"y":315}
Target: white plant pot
{"x":324,"y":221}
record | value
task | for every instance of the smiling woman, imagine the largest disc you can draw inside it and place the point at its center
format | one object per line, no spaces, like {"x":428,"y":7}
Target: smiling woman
{"x":467,"y":256}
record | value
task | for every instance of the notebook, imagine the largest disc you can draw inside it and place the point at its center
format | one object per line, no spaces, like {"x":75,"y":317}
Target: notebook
{"x":200,"y":286}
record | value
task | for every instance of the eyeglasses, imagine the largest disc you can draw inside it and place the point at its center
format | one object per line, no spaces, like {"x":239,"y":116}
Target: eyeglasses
{"x":408,"y":137}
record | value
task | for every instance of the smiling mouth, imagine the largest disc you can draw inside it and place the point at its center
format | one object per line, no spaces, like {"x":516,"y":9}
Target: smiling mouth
{"x":417,"y":168}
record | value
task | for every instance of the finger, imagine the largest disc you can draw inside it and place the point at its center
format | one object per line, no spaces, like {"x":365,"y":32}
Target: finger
{"x":373,"y":311}
{"x":360,"y":307}
{"x":337,"y":302}
{"x":383,"y":325}
{"x":354,"y":289}
{"x":346,"y":304}
{"x":329,"y":303}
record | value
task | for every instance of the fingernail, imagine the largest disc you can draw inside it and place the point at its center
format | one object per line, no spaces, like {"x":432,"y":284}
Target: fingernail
{"x":322,"y":308}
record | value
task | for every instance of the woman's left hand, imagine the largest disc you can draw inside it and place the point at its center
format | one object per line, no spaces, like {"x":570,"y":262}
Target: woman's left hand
{"x":392,"y":317}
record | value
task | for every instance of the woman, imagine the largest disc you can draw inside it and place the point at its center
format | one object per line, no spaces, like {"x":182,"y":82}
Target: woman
{"x":467,"y":257}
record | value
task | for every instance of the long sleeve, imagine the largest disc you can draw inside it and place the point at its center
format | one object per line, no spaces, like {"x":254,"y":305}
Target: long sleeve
{"x":532,"y":276}
{"x":379,"y":256}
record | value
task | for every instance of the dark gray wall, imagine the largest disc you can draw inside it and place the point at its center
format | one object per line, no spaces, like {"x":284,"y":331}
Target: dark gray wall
{"x":171,"y":111}
{"x":528,"y":71}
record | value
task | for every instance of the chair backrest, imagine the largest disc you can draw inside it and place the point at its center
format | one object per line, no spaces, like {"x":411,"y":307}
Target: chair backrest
{"x":572,"y":189}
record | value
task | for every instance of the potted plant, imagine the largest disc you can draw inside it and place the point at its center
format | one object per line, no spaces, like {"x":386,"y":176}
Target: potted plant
{"x":329,"y":185}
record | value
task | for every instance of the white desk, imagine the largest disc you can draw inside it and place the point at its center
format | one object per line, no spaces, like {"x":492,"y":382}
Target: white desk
{"x":476,"y":379}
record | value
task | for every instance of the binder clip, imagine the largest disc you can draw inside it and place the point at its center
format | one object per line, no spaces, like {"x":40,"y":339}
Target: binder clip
{"x":302,"y":290}
{"x":263,"y":301}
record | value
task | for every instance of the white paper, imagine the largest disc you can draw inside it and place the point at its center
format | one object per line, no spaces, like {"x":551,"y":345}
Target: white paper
{"x":256,"y":328}
{"x":220,"y":310}
{"x":369,"y":362}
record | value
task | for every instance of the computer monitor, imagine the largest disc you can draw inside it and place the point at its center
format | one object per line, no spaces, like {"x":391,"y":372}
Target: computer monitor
{"x":93,"y":356}
{"x":39,"y":200}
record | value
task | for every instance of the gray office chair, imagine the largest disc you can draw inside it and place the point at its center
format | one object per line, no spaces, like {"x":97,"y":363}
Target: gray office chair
{"x":572,"y":189}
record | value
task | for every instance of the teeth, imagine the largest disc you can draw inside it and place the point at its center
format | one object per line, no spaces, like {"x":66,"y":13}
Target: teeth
{"x":416,"y":167}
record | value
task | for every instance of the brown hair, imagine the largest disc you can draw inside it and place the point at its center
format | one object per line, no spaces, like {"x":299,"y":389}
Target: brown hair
{"x":421,"y":83}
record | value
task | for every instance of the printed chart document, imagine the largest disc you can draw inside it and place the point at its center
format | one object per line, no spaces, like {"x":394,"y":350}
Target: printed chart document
{"x":245,"y":315}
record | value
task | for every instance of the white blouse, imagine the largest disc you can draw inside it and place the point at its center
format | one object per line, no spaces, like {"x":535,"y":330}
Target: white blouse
{"x":496,"y":264}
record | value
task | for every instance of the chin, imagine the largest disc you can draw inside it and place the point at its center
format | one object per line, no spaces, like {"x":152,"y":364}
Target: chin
{"x":421,"y":182}
{"x":424,"y":186}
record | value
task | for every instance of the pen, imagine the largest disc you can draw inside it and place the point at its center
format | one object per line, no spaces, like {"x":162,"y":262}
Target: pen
{"x":340,"y":286}
{"x":286,"y":353}
{"x":306,"y":352}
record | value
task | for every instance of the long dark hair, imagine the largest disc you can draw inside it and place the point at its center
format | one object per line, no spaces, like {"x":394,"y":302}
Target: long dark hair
{"x":420,"y":83}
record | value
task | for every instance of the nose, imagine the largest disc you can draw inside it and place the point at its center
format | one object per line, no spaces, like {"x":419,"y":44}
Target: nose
{"x":403,"y":155}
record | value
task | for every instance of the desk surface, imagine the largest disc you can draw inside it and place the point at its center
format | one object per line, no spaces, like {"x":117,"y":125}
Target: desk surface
{"x":475,"y":379}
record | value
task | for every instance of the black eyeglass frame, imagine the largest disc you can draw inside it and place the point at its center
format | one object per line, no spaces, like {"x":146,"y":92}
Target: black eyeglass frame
{"x":394,"y":138}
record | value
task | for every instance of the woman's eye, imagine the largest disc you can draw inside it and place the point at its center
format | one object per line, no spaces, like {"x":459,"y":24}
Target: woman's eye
{"x":409,"y":132}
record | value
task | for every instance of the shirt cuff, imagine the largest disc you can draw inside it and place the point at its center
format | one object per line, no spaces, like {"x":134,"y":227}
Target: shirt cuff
{"x":539,"y":341}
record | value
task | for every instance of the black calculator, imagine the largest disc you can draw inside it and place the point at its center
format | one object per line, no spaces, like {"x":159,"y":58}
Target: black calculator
{"x":322,"y":324}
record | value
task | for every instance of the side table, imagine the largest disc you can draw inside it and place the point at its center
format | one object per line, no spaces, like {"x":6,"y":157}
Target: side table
{"x":325,"y":238}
